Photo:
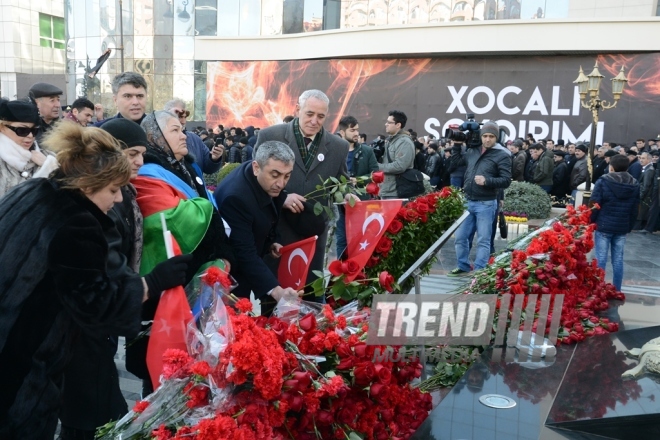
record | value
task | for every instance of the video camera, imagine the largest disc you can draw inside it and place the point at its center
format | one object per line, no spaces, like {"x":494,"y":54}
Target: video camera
{"x":469,"y":132}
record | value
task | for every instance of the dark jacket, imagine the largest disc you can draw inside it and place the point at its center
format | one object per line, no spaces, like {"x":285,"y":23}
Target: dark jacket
{"x":560,"y":185}
{"x":432,"y":164}
{"x":518,"y":167}
{"x":71,"y":277}
{"x":618,"y":196}
{"x":456,"y":166}
{"x":599,"y":168}
{"x":494,"y":164}
{"x":253,"y":216}
{"x":364,"y":161}
{"x":635,"y":169}
{"x":579,"y":173}
{"x":118,"y":115}
{"x":544,"y":168}
{"x":646,"y":184}
{"x":201,"y":153}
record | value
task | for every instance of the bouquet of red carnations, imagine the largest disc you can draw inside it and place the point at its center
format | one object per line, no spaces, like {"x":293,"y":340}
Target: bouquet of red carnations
{"x":304,"y":373}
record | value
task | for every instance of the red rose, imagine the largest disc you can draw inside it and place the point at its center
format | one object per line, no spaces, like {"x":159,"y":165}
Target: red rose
{"x":395,"y":227}
{"x":373,"y":189}
{"x":343,"y":350}
{"x":307,"y":322}
{"x":446,"y":192}
{"x":383,"y":374}
{"x":423,"y":207}
{"x":364,"y":373}
{"x":360,"y":349}
{"x":376,"y":389}
{"x":350,"y":267}
{"x":346,"y":364}
{"x":384,"y":245}
{"x":410,"y":215}
{"x":279,"y":328}
{"x":324,"y":417}
{"x":378,"y":177}
{"x":304,"y":379}
{"x":386,"y":280}
{"x":372,"y":261}
{"x":335,"y":268}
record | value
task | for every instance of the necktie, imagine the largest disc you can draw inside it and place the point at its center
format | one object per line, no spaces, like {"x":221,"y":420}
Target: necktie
{"x":307,"y":142}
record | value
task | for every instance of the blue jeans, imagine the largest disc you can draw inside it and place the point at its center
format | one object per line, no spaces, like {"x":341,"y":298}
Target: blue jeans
{"x":340,"y":232}
{"x":456,"y":182}
{"x":603,"y":242}
{"x":481,"y":215}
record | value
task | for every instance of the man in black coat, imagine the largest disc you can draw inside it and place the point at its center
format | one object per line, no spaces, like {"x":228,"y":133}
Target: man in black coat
{"x":560,"y":184}
{"x":251,"y":200}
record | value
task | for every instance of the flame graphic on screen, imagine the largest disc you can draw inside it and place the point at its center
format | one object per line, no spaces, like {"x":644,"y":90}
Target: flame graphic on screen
{"x":643,"y":76}
{"x":262,"y":93}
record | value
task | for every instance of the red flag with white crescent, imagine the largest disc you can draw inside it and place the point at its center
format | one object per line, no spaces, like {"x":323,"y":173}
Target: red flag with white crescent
{"x":295,"y":261}
{"x":169,"y":327}
{"x":366,"y":222}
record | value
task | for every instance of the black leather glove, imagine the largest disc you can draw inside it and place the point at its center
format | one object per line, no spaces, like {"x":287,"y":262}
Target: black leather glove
{"x":167,"y":274}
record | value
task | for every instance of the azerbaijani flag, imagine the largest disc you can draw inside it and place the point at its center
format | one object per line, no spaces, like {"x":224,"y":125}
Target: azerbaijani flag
{"x":187,"y":215}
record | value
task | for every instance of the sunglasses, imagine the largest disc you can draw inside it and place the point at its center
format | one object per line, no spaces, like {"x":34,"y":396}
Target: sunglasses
{"x":24,"y":131}
{"x":182,"y":113}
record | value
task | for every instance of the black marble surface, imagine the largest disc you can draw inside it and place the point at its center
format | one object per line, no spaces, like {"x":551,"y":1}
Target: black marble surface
{"x":580,"y":395}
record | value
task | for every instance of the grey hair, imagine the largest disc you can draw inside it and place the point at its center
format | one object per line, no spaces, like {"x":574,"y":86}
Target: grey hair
{"x":176,"y":102}
{"x":162,"y":117}
{"x":647,"y":153}
{"x":317,"y":94}
{"x":273,"y":150}
{"x":132,"y":78}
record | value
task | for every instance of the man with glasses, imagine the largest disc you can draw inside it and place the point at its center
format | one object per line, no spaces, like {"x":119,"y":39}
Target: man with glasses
{"x":209,"y":162}
{"x":400,"y":153}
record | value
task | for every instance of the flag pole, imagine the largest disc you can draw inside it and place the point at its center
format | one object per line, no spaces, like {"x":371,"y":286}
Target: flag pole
{"x":167,"y":236}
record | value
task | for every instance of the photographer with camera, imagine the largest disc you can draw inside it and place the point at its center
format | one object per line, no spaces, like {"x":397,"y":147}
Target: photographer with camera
{"x":488,"y":171}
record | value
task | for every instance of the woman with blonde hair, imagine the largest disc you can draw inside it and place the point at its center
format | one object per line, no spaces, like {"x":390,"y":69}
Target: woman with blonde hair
{"x":63,"y":274}
{"x":20,"y":158}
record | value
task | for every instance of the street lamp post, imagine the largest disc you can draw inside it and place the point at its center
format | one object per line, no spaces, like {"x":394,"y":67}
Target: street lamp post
{"x":591,"y":84}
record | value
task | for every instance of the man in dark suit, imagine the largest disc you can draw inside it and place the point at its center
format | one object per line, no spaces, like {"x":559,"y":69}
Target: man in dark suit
{"x":251,"y":200}
{"x":319,"y":155}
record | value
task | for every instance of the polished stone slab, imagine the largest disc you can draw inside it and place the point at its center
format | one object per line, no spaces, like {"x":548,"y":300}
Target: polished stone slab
{"x":582,"y":383}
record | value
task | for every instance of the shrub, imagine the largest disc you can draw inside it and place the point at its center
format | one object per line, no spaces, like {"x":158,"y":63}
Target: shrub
{"x":226,"y":169}
{"x":527,"y":198}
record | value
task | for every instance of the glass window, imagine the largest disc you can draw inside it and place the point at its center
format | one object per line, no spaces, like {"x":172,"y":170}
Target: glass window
{"x":206,"y":17}
{"x":51,"y":31}
{"x":331,"y":14}
{"x":312,"y":15}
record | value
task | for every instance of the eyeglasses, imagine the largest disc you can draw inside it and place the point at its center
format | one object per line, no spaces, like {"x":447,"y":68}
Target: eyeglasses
{"x":182,"y":113}
{"x":390,"y":122}
{"x":23,"y":131}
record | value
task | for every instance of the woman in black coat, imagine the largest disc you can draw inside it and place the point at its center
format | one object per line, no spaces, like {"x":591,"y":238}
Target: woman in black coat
{"x":62,"y":275}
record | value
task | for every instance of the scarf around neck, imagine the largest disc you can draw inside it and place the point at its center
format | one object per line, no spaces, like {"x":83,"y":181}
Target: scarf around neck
{"x":14,"y":155}
{"x":306,"y":153}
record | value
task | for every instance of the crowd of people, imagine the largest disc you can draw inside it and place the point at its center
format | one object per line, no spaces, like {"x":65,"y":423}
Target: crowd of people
{"x":91,"y":264}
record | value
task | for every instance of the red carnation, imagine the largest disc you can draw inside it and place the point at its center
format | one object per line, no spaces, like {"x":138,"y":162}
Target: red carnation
{"x":378,"y":177}
{"x":244,"y":305}
{"x":140,"y":406}
{"x":200,"y":368}
{"x":215,"y":275}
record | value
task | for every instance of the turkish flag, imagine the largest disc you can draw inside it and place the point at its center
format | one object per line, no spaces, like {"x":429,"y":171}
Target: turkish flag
{"x":170,"y":325}
{"x":366,"y":222}
{"x":293,"y":271}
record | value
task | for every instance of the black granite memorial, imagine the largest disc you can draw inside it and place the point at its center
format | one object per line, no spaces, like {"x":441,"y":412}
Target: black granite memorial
{"x":578,"y":395}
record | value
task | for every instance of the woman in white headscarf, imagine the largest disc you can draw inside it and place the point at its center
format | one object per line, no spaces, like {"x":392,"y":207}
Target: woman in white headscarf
{"x":20,"y":158}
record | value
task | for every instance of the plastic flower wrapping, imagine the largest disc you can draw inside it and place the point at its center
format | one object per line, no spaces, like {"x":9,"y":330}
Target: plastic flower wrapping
{"x":303,"y":373}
